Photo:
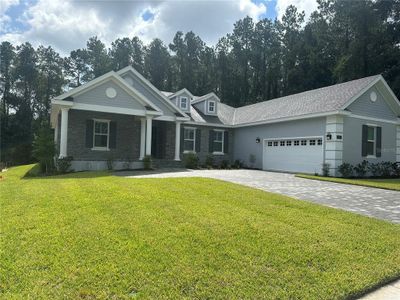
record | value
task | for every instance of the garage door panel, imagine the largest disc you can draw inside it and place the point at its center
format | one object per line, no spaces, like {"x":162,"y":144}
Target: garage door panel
{"x":297,"y":155}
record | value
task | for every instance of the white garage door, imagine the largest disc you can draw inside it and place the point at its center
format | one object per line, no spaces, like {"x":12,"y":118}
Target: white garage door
{"x":294,"y":154}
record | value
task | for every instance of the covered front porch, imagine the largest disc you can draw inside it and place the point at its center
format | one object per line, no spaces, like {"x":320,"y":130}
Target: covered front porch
{"x":100,"y":140}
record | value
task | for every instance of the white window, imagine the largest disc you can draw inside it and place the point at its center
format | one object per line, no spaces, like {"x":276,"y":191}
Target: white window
{"x":296,"y":143}
{"x":218,"y":146}
{"x":275,"y":144}
{"x":184,"y":103}
{"x":312,"y":142}
{"x":101,"y":134}
{"x":269,"y":144}
{"x":189,"y":139}
{"x":319,"y":142}
{"x":211,"y":106}
{"x":288,"y":143}
{"x":304,"y":142}
{"x":371,"y":141}
{"x":282,"y":143}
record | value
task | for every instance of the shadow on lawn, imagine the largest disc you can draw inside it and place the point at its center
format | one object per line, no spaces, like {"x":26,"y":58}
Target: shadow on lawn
{"x":133,"y":173}
{"x":34,"y":173}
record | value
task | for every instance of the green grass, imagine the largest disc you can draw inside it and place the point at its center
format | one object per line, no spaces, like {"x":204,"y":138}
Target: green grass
{"x":97,"y":236}
{"x":388,"y":184}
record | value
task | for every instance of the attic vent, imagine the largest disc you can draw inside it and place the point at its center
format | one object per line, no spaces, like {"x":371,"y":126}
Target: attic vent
{"x":111,"y":92}
{"x":373,"y":96}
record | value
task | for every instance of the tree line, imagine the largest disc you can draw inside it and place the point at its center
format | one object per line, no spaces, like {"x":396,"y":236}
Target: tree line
{"x":257,"y":61}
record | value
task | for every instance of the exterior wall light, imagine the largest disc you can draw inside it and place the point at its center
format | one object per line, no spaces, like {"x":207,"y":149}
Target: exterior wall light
{"x":328,"y":136}
{"x":258,"y":140}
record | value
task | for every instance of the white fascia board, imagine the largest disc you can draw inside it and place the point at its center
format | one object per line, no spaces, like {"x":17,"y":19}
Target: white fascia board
{"x":209,"y":124}
{"x":109,"y":109}
{"x":397,"y":122}
{"x":205,"y":97}
{"x":181,"y":92}
{"x":62,"y":103}
{"x":302,"y":117}
{"x":151,"y":86}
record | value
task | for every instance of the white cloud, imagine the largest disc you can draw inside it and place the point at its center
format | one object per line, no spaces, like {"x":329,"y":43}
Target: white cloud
{"x":4,"y":18}
{"x":308,"y":6}
{"x":67,"y":25}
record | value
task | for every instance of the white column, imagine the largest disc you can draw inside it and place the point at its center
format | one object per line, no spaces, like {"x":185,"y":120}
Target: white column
{"x":142,"y":138}
{"x":148,"y":134}
{"x":177,"y":140}
{"x":56,"y":132}
{"x":64,"y":132}
{"x":334,"y":146}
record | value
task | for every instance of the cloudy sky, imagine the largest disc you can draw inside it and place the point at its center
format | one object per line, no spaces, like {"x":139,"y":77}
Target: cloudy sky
{"x":67,"y":25}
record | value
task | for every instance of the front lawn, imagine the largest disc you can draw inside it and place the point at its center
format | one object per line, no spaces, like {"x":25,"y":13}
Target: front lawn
{"x":97,"y":236}
{"x":388,"y":184}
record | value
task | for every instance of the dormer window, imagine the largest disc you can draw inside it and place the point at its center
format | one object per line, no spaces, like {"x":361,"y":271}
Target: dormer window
{"x":184,"y":103}
{"x":211,"y":106}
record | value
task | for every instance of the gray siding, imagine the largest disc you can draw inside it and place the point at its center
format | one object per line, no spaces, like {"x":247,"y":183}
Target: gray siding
{"x":175,"y":100}
{"x":97,"y":96}
{"x":245,"y":137}
{"x":204,"y":144}
{"x":202,"y":106}
{"x":352,"y":137}
{"x":127,"y":143}
{"x":365,"y":107}
{"x":151,"y":96}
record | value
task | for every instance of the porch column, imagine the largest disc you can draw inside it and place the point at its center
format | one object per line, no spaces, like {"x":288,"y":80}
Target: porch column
{"x":142,"y":137}
{"x":148,"y":134}
{"x":56,"y":132}
{"x":177,"y":140}
{"x":64,"y":132}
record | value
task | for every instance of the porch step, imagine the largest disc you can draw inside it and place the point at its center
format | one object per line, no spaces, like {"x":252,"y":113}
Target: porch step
{"x":163,"y":163}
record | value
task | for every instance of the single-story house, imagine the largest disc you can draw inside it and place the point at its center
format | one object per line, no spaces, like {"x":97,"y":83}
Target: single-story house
{"x":121,"y":117}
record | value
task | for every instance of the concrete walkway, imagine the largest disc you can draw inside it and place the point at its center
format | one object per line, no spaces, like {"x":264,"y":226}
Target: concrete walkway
{"x":373,"y":202}
{"x":388,"y":292}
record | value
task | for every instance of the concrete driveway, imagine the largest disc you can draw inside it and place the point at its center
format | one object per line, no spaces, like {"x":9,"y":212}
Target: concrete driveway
{"x":378,"y":203}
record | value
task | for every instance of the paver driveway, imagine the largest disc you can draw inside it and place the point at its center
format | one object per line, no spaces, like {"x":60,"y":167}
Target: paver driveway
{"x":378,"y":203}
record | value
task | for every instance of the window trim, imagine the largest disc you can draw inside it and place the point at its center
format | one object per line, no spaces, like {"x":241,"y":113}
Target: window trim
{"x":194,"y":139}
{"x":208,"y":107}
{"x":107,"y":148}
{"x":222,"y":142}
{"x":180,"y":103}
{"x":374,"y":141}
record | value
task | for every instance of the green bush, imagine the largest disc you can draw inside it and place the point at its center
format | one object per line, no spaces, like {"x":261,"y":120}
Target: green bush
{"x":375,"y":169}
{"x":237,"y":164}
{"x":225,"y":164}
{"x":44,"y":149}
{"x":191,"y":161}
{"x":346,"y":170}
{"x":361,"y":169}
{"x":64,"y":164}
{"x":147,"y":162}
{"x":325,"y":169}
{"x":209,"y":162}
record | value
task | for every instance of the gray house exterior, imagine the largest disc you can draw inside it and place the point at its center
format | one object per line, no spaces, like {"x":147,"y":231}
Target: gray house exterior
{"x":120,"y":117}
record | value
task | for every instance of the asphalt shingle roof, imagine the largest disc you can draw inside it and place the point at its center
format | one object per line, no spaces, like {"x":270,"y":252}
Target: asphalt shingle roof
{"x":321,"y":100}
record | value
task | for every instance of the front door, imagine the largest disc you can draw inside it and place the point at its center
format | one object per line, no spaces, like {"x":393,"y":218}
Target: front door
{"x":158,"y":140}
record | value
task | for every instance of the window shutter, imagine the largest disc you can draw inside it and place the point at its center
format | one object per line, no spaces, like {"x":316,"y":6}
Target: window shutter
{"x":198,"y":140}
{"x":226,"y":141}
{"x":89,"y":133}
{"x":378,"y":141}
{"x":211,"y":141}
{"x":364,"y":140}
{"x":182,"y":138}
{"x":113,"y":135}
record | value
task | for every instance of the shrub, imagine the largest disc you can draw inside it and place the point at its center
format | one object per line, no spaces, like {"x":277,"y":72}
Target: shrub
{"x":396,"y":169}
{"x":224,"y":164}
{"x":64,"y":164}
{"x":325,"y":169}
{"x":375,"y":169}
{"x":346,"y":170}
{"x":209,"y":163}
{"x":44,"y":149}
{"x":361,"y":169}
{"x":147,"y":162}
{"x":386,"y":168}
{"x":191,"y":161}
{"x":237,"y":164}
